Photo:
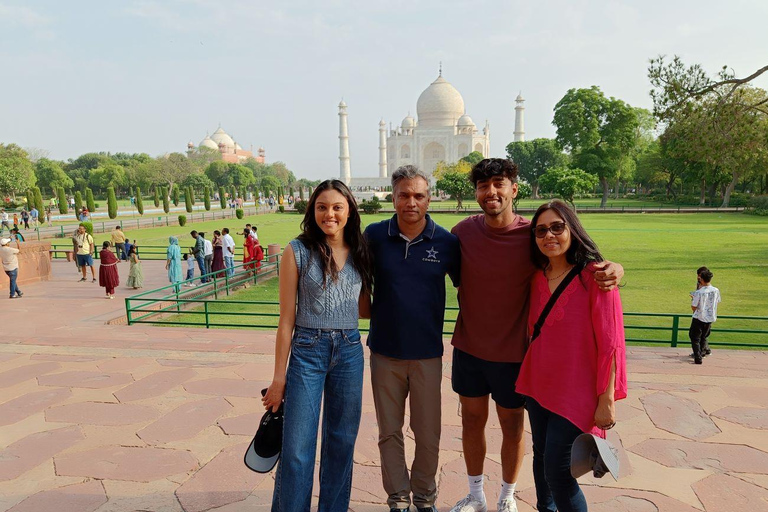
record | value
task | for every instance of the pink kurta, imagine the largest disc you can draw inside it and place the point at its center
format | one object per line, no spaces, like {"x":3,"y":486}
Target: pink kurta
{"x":569,"y":364}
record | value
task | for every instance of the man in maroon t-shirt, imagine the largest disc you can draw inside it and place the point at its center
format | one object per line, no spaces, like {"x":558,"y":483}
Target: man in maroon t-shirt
{"x":490,"y":338}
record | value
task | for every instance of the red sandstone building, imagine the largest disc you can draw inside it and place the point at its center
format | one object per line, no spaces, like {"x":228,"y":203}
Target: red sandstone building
{"x":230,"y":150}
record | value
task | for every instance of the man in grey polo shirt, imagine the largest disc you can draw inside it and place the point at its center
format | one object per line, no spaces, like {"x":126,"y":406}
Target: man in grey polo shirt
{"x":412,"y":256}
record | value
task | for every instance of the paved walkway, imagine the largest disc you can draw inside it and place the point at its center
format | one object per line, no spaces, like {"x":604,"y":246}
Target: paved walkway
{"x":111,"y":418}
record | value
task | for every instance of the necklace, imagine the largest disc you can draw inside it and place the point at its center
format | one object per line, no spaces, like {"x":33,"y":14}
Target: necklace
{"x":559,"y":275}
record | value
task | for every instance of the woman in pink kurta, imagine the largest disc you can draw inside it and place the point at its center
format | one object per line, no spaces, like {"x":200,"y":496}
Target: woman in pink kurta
{"x":575,"y":370}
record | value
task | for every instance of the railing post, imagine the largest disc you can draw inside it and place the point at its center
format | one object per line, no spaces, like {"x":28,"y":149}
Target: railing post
{"x":226,"y":280}
{"x":128,"y":310}
{"x":675,"y":325}
{"x":215,"y":288}
{"x":206,"y":314}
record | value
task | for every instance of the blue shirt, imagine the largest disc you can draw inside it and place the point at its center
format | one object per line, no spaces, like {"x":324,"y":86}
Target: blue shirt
{"x":409,"y":289}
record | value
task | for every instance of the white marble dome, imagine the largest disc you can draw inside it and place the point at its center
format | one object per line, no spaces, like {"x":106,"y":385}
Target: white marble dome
{"x":221,"y":137}
{"x":408,"y":122}
{"x":207,"y":142}
{"x":465,"y":120}
{"x":440,"y":104}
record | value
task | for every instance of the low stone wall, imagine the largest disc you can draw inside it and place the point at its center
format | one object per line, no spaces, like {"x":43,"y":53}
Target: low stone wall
{"x":34,"y":264}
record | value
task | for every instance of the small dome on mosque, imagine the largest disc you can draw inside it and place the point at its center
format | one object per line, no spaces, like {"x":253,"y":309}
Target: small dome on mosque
{"x":440,"y":104}
{"x":465,"y":120}
{"x":222,"y":137}
{"x":408,"y":122}
{"x":519,"y":97}
{"x":207,"y":142}
{"x":342,"y":104}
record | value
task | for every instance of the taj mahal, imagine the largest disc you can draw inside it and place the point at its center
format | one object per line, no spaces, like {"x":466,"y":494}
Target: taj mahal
{"x":442,"y":131}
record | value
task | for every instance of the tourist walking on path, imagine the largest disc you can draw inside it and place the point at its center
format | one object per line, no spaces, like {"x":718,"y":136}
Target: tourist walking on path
{"x":135,"y":272}
{"x":11,"y":265}
{"x":118,"y":240}
{"x":198,"y":250}
{"x":249,"y":251}
{"x":581,"y":341}
{"x":173,"y":261}
{"x":491,"y":335}
{"x":412,"y":256}
{"x":48,"y":219}
{"x":228,"y":250}
{"x":25,"y":218}
{"x":325,"y":278}
{"x":218,"y":256}
{"x":34,"y":214}
{"x":704,"y":303}
{"x":108,"y":276}
{"x":85,"y":250}
{"x":208,"y":250}
{"x":5,"y":223}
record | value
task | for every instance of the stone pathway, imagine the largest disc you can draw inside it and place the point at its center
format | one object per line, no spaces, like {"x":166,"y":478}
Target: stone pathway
{"x":110,"y":418}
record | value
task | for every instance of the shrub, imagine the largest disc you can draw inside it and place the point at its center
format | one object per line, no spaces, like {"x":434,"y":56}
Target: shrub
{"x":188,"y":200}
{"x":139,"y":201}
{"x":62,"y":197}
{"x":191,"y":194}
{"x":156,"y":197}
{"x":758,"y":205}
{"x":39,"y":201}
{"x":182,"y":220}
{"x":301,"y":206}
{"x":281,"y":209}
{"x":78,"y":201}
{"x":388,"y":198}
{"x":30,"y":198}
{"x":88,"y":227}
{"x":89,"y":200}
{"x":222,"y":199}
{"x":207,"y":198}
{"x":372,"y":206}
{"x":166,"y":202}
{"x":175,"y":195}
{"x":239,"y":213}
{"x":111,"y":203}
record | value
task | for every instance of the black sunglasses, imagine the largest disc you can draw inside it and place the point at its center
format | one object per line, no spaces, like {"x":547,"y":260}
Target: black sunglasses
{"x":557,"y":228}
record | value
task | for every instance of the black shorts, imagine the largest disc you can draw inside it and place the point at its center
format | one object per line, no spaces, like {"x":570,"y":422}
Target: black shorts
{"x":473,"y":377}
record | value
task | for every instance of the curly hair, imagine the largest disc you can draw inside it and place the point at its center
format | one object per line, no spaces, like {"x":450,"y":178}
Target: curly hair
{"x":490,"y":167}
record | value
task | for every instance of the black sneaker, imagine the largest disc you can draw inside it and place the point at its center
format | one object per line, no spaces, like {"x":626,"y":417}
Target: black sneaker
{"x":82,"y":279}
{"x":19,"y":295}
{"x":707,"y":353}
{"x":698,"y":361}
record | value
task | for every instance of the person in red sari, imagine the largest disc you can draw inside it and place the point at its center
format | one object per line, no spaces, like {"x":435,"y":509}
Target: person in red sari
{"x":249,"y":251}
{"x":108,"y":276}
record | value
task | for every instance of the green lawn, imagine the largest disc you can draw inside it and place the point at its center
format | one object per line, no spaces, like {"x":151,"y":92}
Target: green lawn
{"x":660,"y":253}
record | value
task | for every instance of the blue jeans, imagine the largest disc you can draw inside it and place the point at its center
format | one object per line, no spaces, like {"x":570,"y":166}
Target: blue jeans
{"x":201,"y":263}
{"x":190,"y":273}
{"x":324,"y":366}
{"x":229,"y":262}
{"x":553,"y":437}
{"x":12,"y":275}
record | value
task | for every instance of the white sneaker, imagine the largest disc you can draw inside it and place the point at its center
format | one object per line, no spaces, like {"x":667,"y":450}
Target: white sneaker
{"x":470,"y":504}
{"x":508,"y":505}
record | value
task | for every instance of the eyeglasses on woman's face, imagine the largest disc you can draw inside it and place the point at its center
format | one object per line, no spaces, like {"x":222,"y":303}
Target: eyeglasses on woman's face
{"x":556,"y":228}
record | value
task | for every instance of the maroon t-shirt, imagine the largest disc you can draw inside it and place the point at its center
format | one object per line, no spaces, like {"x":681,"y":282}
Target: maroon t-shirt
{"x":496,"y":272}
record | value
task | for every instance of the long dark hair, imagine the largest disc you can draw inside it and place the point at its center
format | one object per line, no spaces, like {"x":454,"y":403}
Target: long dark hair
{"x":314,"y":238}
{"x":583,"y":249}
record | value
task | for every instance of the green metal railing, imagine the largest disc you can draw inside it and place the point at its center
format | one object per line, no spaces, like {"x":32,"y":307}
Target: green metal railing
{"x":146,"y":252}
{"x":667,"y":329}
{"x":145,"y":307}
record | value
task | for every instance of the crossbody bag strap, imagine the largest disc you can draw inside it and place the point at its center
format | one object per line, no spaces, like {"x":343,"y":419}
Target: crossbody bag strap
{"x":576,"y":270}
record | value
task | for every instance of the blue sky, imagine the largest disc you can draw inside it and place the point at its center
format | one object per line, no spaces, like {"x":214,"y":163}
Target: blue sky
{"x":149,"y":76}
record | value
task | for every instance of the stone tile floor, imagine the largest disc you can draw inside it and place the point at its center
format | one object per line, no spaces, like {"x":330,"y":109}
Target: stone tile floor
{"x":110,"y":418}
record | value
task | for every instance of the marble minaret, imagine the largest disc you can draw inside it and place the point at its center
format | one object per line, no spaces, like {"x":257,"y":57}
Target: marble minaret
{"x":382,"y":149}
{"x":519,"y":120}
{"x":345,"y":173}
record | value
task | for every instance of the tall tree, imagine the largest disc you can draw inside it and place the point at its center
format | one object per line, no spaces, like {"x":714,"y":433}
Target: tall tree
{"x":473,"y":158}
{"x":39,"y":201}
{"x":166,"y":202}
{"x":454,"y":180}
{"x":78,"y":202}
{"x":598,"y":131}
{"x":222,"y":199}
{"x":534,"y":158}
{"x":188,"y":199}
{"x":175,"y":196}
{"x":156,"y":197}
{"x":207,"y":198}
{"x":568,"y":183}
{"x":17,"y":173}
{"x":51,"y":175}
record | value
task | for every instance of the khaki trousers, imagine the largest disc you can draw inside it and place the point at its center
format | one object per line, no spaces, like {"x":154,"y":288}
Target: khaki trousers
{"x":393,"y":380}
